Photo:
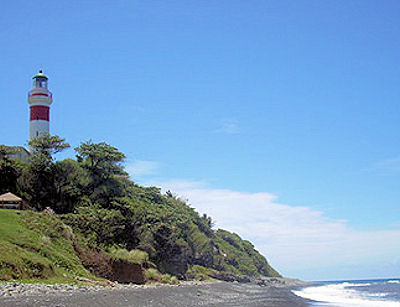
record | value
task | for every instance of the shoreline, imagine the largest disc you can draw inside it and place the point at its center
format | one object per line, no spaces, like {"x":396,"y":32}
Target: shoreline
{"x":275,"y":293}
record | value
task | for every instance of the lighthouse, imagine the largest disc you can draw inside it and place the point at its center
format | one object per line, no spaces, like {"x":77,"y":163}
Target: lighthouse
{"x":40,"y":99}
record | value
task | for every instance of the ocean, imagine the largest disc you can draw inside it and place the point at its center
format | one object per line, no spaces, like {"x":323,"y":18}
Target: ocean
{"x":346,"y":293}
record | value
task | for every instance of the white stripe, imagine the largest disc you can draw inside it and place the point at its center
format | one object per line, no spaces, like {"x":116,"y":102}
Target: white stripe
{"x":38,"y":128}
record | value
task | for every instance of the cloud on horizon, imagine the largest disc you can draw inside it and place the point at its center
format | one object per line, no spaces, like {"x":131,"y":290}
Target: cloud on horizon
{"x":299,"y":241}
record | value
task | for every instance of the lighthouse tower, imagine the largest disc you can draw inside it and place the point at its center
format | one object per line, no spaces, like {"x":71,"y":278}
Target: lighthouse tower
{"x":40,"y":99}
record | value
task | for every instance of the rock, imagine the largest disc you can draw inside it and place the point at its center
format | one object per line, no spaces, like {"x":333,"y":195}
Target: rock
{"x":225,"y":276}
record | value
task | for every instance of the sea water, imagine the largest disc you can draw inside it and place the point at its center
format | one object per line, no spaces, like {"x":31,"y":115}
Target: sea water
{"x":374,"y":293}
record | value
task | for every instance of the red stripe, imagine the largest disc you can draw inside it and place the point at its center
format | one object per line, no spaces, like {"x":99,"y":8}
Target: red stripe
{"x":39,"y":113}
{"x":39,"y":94}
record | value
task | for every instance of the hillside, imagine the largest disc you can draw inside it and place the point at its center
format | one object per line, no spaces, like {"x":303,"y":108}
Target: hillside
{"x":36,"y":246}
{"x":100,"y":224}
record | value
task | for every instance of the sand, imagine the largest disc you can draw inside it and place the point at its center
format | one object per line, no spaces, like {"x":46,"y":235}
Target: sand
{"x":201,"y":294}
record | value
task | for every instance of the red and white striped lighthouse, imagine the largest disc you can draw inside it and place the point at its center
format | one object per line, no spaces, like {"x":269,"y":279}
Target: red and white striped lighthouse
{"x":40,"y":99}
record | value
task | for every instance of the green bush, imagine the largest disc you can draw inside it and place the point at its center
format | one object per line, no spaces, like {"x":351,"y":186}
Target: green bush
{"x":174,"y":280}
{"x":198,"y":272}
{"x":138,"y":256}
{"x":165,"y":278}
{"x":134,"y":256}
{"x":168,"y":279}
{"x":152,"y":275}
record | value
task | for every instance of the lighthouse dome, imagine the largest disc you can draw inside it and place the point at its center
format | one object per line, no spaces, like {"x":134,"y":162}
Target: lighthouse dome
{"x":40,"y":80}
{"x":40,"y":75}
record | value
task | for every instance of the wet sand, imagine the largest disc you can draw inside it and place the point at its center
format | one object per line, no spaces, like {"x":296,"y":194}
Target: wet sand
{"x":207,"y":294}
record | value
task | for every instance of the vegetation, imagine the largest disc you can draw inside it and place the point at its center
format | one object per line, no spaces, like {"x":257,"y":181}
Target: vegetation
{"x":10,"y":170}
{"x":134,"y":256}
{"x":198,"y":272}
{"x":103,"y":216}
{"x":37,"y":246}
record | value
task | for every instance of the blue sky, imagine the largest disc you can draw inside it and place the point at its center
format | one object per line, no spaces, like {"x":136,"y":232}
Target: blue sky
{"x":286,"y":108}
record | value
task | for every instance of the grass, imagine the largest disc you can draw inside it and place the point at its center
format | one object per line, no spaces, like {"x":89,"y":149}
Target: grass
{"x":153,"y":275}
{"x":36,"y":247}
{"x":168,"y":279}
{"x":135,"y":256}
{"x":198,"y":272}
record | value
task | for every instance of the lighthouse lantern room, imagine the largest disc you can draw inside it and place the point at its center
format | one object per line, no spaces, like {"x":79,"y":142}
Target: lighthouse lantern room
{"x":40,"y":99}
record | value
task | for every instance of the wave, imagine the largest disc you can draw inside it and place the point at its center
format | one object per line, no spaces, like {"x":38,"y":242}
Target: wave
{"x":393,"y":281}
{"x":350,"y":284}
{"x":339,"y":294}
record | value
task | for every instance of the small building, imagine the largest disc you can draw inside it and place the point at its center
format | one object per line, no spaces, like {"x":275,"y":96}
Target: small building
{"x":10,"y":201}
{"x":17,"y":152}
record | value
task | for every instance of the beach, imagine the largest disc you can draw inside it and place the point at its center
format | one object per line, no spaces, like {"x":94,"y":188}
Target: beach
{"x":186,"y":294}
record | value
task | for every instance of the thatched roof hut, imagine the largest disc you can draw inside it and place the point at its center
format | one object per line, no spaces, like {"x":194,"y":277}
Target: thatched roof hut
{"x":10,"y":201}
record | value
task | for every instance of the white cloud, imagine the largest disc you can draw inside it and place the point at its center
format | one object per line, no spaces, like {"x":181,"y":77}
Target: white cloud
{"x":228,"y":126}
{"x":296,"y":240}
{"x":140,"y":168}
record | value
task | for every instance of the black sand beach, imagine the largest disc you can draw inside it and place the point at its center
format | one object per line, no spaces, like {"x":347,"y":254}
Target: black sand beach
{"x":203,"y":294}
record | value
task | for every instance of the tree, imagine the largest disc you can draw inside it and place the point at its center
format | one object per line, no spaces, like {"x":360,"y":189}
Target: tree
{"x":208,"y":220}
{"x":37,"y":181}
{"x":48,"y":145}
{"x":70,"y":180}
{"x":10,"y":170}
{"x":101,"y":159}
{"x":104,"y":165}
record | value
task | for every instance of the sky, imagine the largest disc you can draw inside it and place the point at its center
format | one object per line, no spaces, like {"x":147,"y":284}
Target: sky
{"x":280,"y":119}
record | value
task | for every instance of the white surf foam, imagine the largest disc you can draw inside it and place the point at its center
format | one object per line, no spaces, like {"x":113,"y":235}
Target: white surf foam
{"x":339,"y":294}
{"x":393,"y":281}
{"x":350,"y":284}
